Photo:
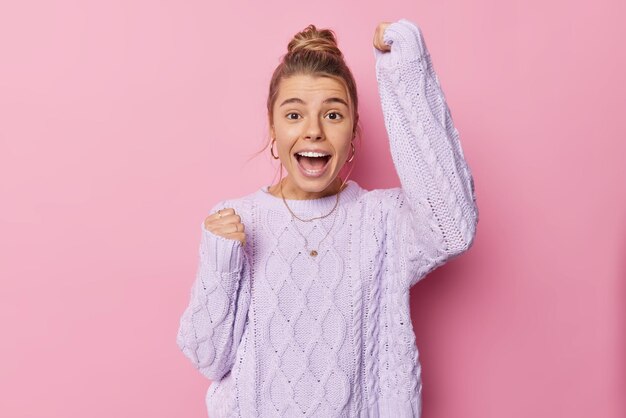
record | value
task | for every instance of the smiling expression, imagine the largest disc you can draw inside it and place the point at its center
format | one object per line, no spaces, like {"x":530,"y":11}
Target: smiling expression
{"x":312,"y":113}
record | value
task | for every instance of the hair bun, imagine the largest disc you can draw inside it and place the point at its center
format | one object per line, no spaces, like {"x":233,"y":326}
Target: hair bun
{"x":313,"y":39}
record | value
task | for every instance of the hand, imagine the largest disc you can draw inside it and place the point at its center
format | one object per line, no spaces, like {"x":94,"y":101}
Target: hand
{"x":228,"y":225}
{"x":379,"y":43}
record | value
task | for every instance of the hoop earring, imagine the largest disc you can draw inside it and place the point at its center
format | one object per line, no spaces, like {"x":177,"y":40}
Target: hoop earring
{"x":272,"y":149}
{"x":353,"y":152}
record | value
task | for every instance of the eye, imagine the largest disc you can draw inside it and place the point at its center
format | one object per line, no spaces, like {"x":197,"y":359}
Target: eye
{"x":334,"y":115}
{"x":293,"y":114}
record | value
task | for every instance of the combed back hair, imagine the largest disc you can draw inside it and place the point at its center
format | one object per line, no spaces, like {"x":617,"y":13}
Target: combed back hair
{"x":314,"y":52}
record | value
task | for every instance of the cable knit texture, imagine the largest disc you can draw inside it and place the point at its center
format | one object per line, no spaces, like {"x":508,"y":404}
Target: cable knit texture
{"x":284,"y":334}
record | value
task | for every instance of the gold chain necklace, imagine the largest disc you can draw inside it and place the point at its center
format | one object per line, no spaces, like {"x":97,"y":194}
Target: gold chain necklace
{"x":312,"y":253}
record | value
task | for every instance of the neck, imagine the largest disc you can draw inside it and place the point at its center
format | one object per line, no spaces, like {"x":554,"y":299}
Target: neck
{"x":291,"y":192}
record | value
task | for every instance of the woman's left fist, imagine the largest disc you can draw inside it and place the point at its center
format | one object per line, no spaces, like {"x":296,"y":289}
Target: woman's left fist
{"x":379,"y":43}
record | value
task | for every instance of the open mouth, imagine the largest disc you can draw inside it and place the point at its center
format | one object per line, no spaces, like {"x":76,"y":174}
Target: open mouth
{"x":313,"y":166}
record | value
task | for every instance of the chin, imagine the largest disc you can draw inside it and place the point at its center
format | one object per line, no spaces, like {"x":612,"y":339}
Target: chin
{"x":315,"y":184}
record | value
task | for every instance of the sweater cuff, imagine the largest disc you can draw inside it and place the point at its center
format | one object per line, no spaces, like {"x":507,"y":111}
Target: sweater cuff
{"x":221,"y":254}
{"x":406,"y":41}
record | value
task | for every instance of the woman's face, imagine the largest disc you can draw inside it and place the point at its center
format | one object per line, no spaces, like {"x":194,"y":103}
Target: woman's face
{"x":312,"y":113}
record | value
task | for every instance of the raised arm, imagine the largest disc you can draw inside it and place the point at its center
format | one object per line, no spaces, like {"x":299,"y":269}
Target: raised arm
{"x":434,"y":213}
{"x":212,"y":325}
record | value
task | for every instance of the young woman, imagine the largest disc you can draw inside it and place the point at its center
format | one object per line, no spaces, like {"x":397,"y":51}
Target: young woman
{"x":300,"y":307}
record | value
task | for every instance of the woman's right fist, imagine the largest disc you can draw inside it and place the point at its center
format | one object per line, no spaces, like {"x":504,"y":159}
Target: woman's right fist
{"x":226,"y":223}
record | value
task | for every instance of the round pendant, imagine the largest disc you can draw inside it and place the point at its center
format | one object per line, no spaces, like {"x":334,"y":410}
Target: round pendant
{"x":313,"y":253}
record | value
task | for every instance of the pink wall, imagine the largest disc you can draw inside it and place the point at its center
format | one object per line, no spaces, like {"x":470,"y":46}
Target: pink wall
{"x":122,"y":122}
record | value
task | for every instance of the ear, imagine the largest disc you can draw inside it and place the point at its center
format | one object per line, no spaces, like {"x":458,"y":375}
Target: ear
{"x":272,"y":132}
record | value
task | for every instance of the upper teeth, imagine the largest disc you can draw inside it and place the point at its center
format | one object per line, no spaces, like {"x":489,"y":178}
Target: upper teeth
{"x":312,"y":154}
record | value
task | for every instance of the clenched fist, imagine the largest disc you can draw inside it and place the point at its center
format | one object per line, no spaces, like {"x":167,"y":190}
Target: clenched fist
{"x":379,"y":42}
{"x":226,"y":223}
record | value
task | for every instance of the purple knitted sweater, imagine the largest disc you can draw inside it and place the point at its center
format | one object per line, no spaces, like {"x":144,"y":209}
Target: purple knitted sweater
{"x":284,"y":334}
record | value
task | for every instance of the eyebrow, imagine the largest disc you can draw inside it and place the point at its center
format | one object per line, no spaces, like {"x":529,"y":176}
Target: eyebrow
{"x":329,"y":100}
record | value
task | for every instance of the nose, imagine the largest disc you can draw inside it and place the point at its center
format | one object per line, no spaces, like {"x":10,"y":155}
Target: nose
{"x":314,"y":130}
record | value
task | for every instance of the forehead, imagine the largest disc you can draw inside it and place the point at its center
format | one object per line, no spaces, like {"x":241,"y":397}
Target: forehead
{"x":311,"y":87}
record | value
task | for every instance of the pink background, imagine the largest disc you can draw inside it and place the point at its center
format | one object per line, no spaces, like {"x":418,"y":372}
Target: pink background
{"x":123,"y":122}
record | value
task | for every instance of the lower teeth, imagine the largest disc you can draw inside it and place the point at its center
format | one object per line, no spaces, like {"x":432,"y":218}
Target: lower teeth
{"x":313,"y":172}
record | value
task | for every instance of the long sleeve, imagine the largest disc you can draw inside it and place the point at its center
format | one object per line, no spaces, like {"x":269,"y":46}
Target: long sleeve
{"x":434,"y":214}
{"x":212,"y":324}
